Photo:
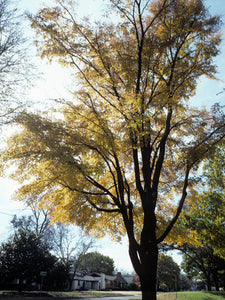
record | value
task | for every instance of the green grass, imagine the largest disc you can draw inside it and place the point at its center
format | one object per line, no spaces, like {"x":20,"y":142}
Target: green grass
{"x":192,"y":296}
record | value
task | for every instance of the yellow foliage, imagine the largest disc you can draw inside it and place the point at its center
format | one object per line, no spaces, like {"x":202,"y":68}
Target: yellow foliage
{"x":121,"y":155}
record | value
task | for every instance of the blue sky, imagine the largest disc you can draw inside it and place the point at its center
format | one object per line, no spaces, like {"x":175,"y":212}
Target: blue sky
{"x":54,"y":84}
{"x":207,"y":90}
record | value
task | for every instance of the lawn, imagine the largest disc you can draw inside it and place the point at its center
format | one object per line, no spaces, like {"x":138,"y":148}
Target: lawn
{"x":192,"y":296}
{"x":92,"y":294}
{"x":9,"y":295}
{"x":13,"y":295}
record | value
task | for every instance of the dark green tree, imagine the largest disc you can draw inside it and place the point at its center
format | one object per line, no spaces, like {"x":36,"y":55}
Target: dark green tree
{"x":168,"y":273}
{"x":201,"y":263}
{"x":67,"y":244}
{"x":23,"y":257}
{"x":96,"y":262}
{"x":58,"y":277}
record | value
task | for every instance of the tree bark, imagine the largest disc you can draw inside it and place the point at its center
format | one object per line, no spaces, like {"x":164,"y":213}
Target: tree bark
{"x":215,"y":280}
{"x":146,"y":269}
{"x":148,"y":274}
{"x":209,"y":284}
{"x":20,"y":286}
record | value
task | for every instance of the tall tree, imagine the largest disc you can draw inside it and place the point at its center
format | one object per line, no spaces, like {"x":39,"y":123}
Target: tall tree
{"x":118,"y":157}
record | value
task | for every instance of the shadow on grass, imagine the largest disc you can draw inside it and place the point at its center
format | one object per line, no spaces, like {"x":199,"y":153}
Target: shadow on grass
{"x":192,"y":296}
{"x":221,"y":294}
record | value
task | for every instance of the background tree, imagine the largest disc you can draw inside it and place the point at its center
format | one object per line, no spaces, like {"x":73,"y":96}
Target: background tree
{"x":23,"y":257}
{"x":38,"y":223}
{"x":70,"y":246}
{"x":66,"y":242}
{"x":168,"y":276}
{"x":185,"y":283}
{"x":58,"y":277}
{"x":96,"y":262}
{"x":121,"y":154}
{"x":205,"y":213}
{"x":201,"y":263}
{"x":14,"y":67}
{"x":209,"y":218}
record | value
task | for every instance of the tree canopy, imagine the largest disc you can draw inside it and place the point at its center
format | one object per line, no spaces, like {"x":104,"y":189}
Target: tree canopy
{"x":70,"y":246}
{"x":205,"y":210}
{"x":118,"y":158}
{"x":168,"y":275}
{"x":96,"y":262}
{"x":202,"y":263}
{"x":23,"y":257}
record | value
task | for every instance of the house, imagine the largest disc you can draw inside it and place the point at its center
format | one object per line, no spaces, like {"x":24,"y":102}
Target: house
{"x":86,"y":282}
{"x":129,"y":278}
{"x":97,"y":281}
{"x":115,"y":282}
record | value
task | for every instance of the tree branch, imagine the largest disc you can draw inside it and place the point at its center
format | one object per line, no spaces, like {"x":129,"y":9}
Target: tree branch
{"x":179,"y":208}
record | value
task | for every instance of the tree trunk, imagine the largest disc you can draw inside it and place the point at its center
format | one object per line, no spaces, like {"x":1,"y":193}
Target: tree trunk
{"x":148,"y":274}
{"x":148,"y":286}
{"x":70,"y":284}
{"x":20,"y":286}
{"x":215,"y":280}
{"x":146,"y":269}
{"x":71,"y":278}
{"x":209,"y":284}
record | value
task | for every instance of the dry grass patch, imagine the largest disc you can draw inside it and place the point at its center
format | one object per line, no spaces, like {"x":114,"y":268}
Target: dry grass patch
{"x":192,"y":296}
{"x":14,"y":295}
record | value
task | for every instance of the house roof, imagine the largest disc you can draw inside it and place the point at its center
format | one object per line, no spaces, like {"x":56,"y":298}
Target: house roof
{"x":91,"y":278}
{"x":121,"y":279}
{"x":95,"y":274}
{"x":95,"y":277}
{"x":129,"y":279}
